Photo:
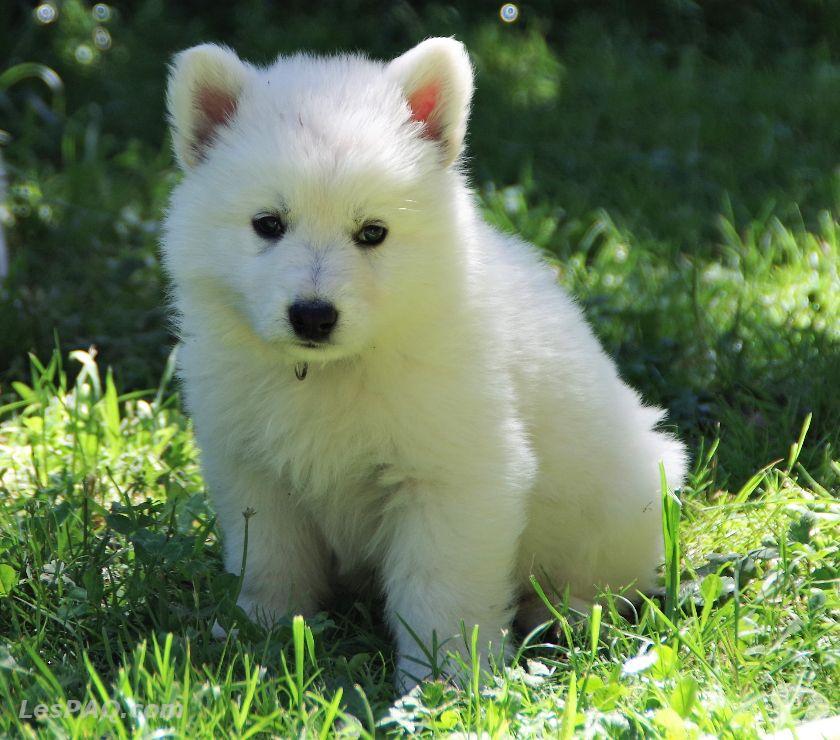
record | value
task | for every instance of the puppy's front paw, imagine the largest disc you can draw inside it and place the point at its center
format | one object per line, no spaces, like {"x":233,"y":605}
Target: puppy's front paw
{"x":455,"y":667}
{"x":411,"y":673}
{"x":255,"y":613}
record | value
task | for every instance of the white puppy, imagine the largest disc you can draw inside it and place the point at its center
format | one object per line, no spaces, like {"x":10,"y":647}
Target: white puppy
{"x":393,"y":386}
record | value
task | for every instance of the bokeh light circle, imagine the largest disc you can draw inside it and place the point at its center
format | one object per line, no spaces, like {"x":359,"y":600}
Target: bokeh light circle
{"x":509,"y":12}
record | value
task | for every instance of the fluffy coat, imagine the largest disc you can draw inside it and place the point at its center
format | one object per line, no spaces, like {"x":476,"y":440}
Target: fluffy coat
{"x":462,"y":428}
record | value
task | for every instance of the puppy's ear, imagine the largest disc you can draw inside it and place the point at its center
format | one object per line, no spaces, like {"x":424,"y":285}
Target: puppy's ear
{"x":437,"y":80}
{"x":205,"y":83}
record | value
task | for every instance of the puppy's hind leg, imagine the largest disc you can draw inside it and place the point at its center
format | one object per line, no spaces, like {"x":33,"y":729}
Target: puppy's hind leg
{"x":630,"y":539}
{"x":595,"y":523}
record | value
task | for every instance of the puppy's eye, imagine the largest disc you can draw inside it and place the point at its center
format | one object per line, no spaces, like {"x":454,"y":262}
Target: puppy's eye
{"x":371,"y":235}
{"x":268,"y":226}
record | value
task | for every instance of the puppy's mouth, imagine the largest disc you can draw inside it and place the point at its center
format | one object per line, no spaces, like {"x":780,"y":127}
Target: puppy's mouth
{"x":306,"y":350}
{"x":311,"y":345}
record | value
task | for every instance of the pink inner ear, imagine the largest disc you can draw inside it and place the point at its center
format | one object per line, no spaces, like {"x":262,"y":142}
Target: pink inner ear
{"x":423,"y":103}
{"x":217,"y":108}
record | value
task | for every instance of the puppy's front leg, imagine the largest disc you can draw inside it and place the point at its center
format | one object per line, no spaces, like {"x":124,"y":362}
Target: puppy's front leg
{"x":286,"y":559}
{"x":450,"y":560}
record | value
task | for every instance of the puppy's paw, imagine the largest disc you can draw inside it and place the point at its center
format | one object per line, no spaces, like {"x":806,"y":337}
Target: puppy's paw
{"x":255,"y":613}
{"x":454,"y":668}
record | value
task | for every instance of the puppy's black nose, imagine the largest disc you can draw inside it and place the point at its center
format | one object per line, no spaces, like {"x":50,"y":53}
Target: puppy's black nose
{"x":313,"y":320}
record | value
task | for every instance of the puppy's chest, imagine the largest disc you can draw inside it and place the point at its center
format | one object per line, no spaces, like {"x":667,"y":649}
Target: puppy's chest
{"x":346,"y":481}
{"x":338,"y":454}
{"x":320,"y":440}
{"x":338,"y":445}
{"x":353,"y":521}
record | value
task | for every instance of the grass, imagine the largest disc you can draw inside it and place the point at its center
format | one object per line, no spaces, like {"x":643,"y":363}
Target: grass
{"x":681,"y":173}
{"x":111,"y":579}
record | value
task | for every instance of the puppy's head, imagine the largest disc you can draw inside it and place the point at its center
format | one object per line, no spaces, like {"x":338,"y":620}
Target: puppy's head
{"x":316,"y":211}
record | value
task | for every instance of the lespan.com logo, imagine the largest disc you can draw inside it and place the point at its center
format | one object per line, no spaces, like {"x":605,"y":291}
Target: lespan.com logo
{"x":109,"y":709}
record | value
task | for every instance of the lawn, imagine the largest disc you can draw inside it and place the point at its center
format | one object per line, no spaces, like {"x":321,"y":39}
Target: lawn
{"x":681,"y":168}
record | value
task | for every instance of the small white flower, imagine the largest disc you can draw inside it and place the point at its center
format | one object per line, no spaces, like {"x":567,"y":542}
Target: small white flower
{"x":53,"y":571}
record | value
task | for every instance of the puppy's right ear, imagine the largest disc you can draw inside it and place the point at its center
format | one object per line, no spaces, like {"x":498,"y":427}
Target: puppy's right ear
{"x":205,"y":83}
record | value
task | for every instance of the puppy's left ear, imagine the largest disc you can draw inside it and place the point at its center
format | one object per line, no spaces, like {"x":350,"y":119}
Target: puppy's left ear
{"x":436,"y":78}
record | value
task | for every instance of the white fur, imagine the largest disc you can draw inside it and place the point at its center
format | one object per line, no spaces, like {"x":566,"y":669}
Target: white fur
{"x":463,"y":430}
